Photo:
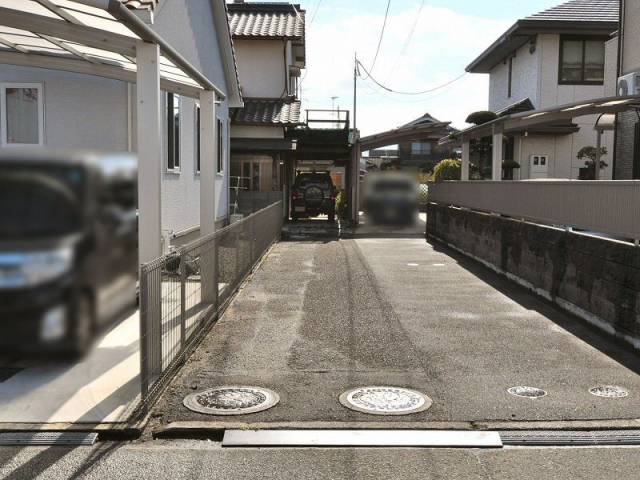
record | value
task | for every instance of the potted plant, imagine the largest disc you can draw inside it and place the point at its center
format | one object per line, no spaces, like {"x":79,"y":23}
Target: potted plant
{"x":508,"y":166}
{"x":588,"y":172}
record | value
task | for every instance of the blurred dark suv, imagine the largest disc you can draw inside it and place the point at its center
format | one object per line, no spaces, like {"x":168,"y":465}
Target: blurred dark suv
{"x":313,"y":194}
{"x":68,"y":246}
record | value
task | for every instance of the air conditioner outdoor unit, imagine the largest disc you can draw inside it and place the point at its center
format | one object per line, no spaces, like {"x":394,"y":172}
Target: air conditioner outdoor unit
{"x":629,"y":84}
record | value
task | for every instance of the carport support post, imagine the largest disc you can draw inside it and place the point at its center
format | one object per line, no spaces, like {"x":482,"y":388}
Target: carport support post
{"x":596,"y":170}
{"x":149,"y":140}
{"x":466,"y":145}
{"x":208,"y":152}
{"x":496,"y":163}
{"x":355,"y":180}
{"x":149,"y":151}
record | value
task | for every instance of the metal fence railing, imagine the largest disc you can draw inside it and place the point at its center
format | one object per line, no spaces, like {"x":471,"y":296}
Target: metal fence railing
{"x":182,"y":292}
{"x":609,"y":207}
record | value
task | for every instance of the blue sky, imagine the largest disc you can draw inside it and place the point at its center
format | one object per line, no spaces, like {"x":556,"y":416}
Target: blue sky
{"x":448,"y":35}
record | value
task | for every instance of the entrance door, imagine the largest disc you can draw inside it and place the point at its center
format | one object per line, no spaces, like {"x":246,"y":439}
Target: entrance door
{"x":539,"y":166}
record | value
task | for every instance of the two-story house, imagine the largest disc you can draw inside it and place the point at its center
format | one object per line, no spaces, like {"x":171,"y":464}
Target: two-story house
{"x":559,"y":56}
{"x":65,"y":109}
{"x":627,"y":154}
{"x":417,"y":148}
{"x":269,"y":41}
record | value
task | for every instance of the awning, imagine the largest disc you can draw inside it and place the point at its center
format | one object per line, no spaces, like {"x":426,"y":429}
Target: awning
{"x":94,"y":37}
{"x":535,"y":119}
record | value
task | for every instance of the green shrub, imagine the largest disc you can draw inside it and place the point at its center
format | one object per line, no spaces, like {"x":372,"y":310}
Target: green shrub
{"x":448,"y":169}
{"x":481,"y":117}
{"x":341,"y":204}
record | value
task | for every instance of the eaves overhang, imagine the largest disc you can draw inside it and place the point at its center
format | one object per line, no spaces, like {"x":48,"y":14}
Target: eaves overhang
{"x":524,"y":31}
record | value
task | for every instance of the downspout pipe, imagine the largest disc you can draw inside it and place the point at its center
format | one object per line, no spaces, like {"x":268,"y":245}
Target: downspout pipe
{"x":122,"y":13}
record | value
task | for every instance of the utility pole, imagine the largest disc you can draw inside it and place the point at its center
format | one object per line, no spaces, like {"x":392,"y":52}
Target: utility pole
{"x":355,"y":90}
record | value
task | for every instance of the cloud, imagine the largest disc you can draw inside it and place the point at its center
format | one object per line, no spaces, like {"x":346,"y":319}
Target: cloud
{"x":444,"y":42}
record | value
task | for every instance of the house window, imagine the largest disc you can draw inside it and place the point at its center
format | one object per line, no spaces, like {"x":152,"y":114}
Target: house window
{"x":421,"y":148}
{"x":510,"y":79}
{"x":197,"y":138}
{"x":582,"y":61}
{"x":22,"y":116}
{"x":220,"y":145}
{"x":173,"y":132}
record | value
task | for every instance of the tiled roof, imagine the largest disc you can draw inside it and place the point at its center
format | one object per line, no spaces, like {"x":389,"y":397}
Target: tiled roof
{"x":140,"y":4}
{"x":426,"y":118}
{"x":268,"y":112}
{"x":266,"y":19}
{"x":581,"y":11}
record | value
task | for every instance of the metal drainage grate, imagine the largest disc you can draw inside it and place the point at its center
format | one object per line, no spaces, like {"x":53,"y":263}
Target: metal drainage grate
{"x":48,"y":438}
{"x":609,"y":391}
{"x":565,"y":438}
{"x":385,"y":400}
{"x":527,"y":392}
{"x":231,"y":400}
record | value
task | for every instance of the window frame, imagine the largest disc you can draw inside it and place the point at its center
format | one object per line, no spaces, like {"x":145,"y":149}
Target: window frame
{"x":39,"y":86}
{"x":584,"y":39}
{"x":171,"y":140}
{"x":510,"y":77}
{"x":197,"y":139}
{"x":220,"y":146}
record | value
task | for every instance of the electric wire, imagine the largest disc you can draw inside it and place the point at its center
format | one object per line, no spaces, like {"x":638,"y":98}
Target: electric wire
{"x":384,"y":26}
{"x":399,"y":92}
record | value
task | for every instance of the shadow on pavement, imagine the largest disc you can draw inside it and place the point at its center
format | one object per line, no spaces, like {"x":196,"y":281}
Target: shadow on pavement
{"x":612,"y":347}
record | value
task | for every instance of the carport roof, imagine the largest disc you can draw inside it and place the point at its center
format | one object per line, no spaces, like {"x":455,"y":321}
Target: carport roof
{"x":96,"y":37}
{"x":534,"y":119}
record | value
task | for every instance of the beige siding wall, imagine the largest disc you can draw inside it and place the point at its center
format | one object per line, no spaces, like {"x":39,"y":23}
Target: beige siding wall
{"x":242,"y":131}
{"x":524,"y":80}
{"x":261,"y":67}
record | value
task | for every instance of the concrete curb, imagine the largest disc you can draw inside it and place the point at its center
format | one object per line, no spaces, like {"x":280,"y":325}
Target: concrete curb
{"x":204,"y":428}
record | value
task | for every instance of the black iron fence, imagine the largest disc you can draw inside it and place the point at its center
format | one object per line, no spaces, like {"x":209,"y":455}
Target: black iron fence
{"x":182,"y":293}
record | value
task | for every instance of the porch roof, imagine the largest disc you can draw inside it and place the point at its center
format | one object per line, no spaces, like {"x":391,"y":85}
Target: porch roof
{"x":536,"y":119}
{"x":95,"y":37}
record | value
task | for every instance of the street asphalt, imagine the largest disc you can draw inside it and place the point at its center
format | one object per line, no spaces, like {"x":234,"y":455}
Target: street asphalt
{"x":192,"y":460}
{"x":321,"y":317}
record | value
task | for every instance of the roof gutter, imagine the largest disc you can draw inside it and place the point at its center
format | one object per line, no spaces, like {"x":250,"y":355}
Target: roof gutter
{"x":122,"y":13}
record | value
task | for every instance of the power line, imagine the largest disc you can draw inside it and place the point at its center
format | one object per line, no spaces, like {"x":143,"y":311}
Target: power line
{"x":407,"y":41}
{"x":388,"y":89}
{"x":384,"y":26}
{"x":315,"y":12}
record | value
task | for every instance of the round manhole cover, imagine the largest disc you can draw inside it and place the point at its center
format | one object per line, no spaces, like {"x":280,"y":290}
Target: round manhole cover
{"x":385,"y":400}
{"x":527,"y":392}
{"x":231,"y":400}
{"x":609,"y":391}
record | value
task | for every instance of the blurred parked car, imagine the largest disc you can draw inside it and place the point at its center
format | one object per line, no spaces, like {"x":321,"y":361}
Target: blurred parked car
{"x":391,"y":198}
{"x":68,"y":246}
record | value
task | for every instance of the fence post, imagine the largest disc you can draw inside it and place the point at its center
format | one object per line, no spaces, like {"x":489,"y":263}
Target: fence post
{"x":183,"y":299}
{"x":144,"y":347}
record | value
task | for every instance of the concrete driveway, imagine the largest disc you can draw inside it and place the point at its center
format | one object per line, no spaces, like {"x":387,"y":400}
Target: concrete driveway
{"x":321,"y":317}
{"x":101,"y":388}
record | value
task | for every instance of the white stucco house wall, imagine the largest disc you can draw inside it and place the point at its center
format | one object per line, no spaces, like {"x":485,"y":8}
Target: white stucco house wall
{"x":269,"y":40}
{"x":563,"y":55}
{"x":90,"y":112}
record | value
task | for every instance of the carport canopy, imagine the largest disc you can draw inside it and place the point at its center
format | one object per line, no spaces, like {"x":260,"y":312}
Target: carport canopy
{"x":525,"y":121}
{"x":106,"y":39}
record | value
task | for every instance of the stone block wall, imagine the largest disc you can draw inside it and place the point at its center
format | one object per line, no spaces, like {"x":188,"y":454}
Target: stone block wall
{"x":595,"y":278}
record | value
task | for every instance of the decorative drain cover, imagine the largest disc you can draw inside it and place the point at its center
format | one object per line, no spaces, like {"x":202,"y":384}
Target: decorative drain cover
{"x":231,"y":400}
{"x":527,"y":392}
{"x":609,"y":391}
{"x":385,"y":400}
